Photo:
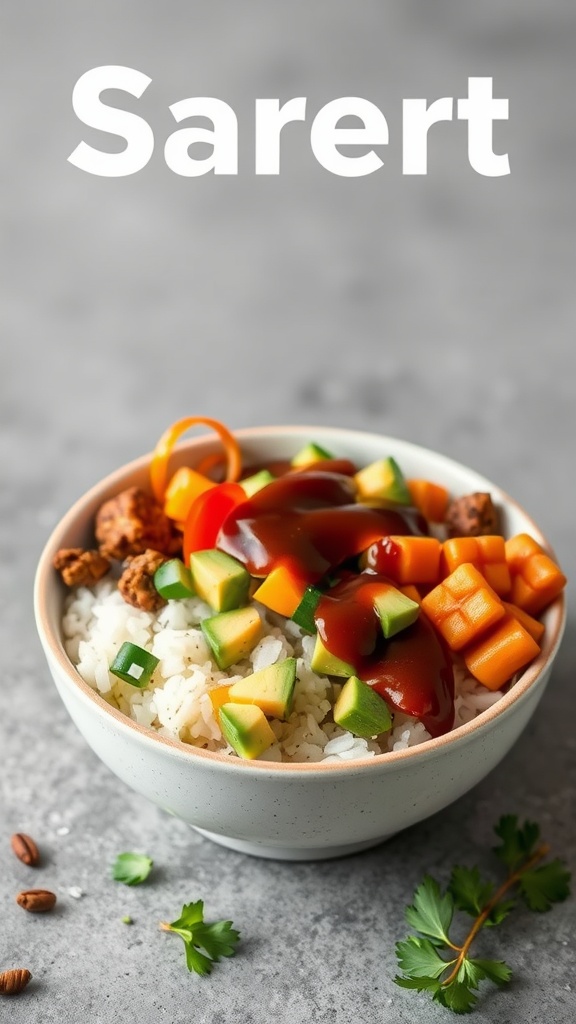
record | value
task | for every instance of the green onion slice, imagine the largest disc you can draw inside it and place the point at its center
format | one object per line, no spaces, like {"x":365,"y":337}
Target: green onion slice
{"x":134,"y":665}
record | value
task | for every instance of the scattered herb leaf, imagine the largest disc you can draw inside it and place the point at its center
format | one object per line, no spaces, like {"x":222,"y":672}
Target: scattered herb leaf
{"x":127,"y":920}
{"x":131,"y":868}
{"x":217,"y":940}
{"x":431,"y":961}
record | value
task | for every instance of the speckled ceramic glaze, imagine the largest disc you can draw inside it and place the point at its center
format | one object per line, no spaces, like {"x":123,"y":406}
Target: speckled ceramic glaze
{"x":292,"y":812}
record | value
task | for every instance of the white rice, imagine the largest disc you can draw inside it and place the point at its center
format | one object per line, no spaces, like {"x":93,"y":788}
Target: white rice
{"x":176,"y":702}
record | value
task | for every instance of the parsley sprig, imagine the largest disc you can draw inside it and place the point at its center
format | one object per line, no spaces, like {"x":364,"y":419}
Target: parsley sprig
{"x":217,"y":940}
{"x":431,"y":960}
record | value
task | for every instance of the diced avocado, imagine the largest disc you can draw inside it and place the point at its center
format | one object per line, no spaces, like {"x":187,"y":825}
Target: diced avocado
{"x":173,"y":580}
{"x":271,"y":688}
{"x":252,"y":484}
{"x":395,"y":610}
{"x":232,"y":635}
{"x":246,"y":729}
{"x":327,"y":664}
{"x":304,"y":614}
{"x":220,"y":580}
{"x":361,"y":710}
{"x":383,"y":479}
{"x":309,"y":454}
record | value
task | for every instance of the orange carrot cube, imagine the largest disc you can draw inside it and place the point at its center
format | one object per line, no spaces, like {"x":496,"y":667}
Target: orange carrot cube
{"x":431,"y":499}
{"x":463,"y":606}
{"x":182,"y":491}
{"x":536,"y":578}
{"x":500,"y":653}
{"x":219,"y":696}
{"x":487,"y":553}
{"x":410,"y":559}
{"x":281,"y":591}
{"x":531,"y":625}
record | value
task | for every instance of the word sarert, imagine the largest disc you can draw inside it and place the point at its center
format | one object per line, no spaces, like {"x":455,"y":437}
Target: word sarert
{"x":479,"y":108}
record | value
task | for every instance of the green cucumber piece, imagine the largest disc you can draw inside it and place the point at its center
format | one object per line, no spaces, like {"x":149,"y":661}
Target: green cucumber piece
{"x":173,"y":580}
{"x":303,"y":615}
{"x":134,"y":665}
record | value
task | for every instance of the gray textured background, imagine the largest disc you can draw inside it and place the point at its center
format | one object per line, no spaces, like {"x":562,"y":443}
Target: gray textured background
{"x":440,"y":309}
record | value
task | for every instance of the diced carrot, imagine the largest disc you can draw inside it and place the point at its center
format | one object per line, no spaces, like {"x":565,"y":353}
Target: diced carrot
{"x":502,"y":652}
{"x":182,"y":491}
{"x":410,"y":559}
{"x":281,"y":591}
{"x":531,"y":625}
{"x":463,"y":606}
{"x":412,"y":592}
{"x":219,"y":696}
{"x":536,"y":578}
{"x":431,"y":499}
{"x":487,"y":553}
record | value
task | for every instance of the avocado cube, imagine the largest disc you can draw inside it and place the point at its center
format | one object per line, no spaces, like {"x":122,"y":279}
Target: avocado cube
{"x":383,"y":480}
{"x":310,"y":454}
{"x":252,"y":484}
{"x":395,"y":610}
{"x":271,"y":688}
{"x":328,"y":664}
{"x":232,"y":635}
{"x":360,"y":710}
{"x":246,"y":729}
{"x":220,"y":580}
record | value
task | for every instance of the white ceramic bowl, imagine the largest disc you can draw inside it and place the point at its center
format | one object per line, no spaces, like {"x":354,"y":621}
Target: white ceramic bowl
{"x":292,"y":811}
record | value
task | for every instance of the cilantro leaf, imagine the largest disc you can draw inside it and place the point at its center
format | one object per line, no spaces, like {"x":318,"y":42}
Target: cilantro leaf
{"x":517,"y":843}
{"x":131,"y":868}
{"x":431,"y":912}
{"x":420,"y":984}
{"x":543,"y":886}
{"x":470,"y":894}
{"x":499,"y":912}
{"x":217,"y":939}
{"x":419,"y":958}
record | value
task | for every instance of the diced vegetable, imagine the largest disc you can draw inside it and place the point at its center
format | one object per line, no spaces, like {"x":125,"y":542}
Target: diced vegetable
{"x":246,"y":729}
{"x":134,"y":665}
{"x":395,"y":610}
{"x":303,"y":615}
{"x":163,"y":450}
{"x":252,"y":484}
{"x":328,"y":664}
{"x":281,"y":591}
{"x":536,"y":578}
{"x":531,"y":625}
{"x":463,"y":606}
{"x":206,"y":516}
{"x":500,"y":653}
{"x":486,"y":552}
{"x":430,"y":499}
{"x":182,"y":490}
{"x":310,"y":454}
{"x":219,"y":695}
{"x":412,"y":592}
{"x":271,"y":688}
{"x":173,"y":580}
{"x":405,"y":559}
{"x":220,"y":580}
{"x":232,"y":635}
{"x":361,"y":710}
{"x":383,"y":480}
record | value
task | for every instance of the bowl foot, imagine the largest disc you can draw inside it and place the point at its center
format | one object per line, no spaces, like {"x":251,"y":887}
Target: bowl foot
{"x":289,"y":853}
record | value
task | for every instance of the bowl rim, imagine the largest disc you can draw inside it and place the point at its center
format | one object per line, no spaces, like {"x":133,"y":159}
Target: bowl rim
{"x":53,"y":644}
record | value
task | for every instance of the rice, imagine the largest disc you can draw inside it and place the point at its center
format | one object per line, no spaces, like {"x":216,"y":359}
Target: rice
{"x":176,"y":703}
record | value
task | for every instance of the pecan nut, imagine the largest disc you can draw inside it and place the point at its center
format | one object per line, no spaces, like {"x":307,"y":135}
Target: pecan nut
{"x":37,"y":901}
{"x":25,"y":849}
{"x":14,"y":981}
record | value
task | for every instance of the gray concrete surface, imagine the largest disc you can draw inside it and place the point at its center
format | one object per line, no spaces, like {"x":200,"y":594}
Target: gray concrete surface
{"x":440,"y":309}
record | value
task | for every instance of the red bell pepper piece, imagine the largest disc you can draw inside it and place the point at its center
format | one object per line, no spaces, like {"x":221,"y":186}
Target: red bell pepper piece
{"x":206,"y":516}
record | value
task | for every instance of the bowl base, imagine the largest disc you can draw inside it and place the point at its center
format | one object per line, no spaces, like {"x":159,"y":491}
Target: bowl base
{"x":289,"y":853}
